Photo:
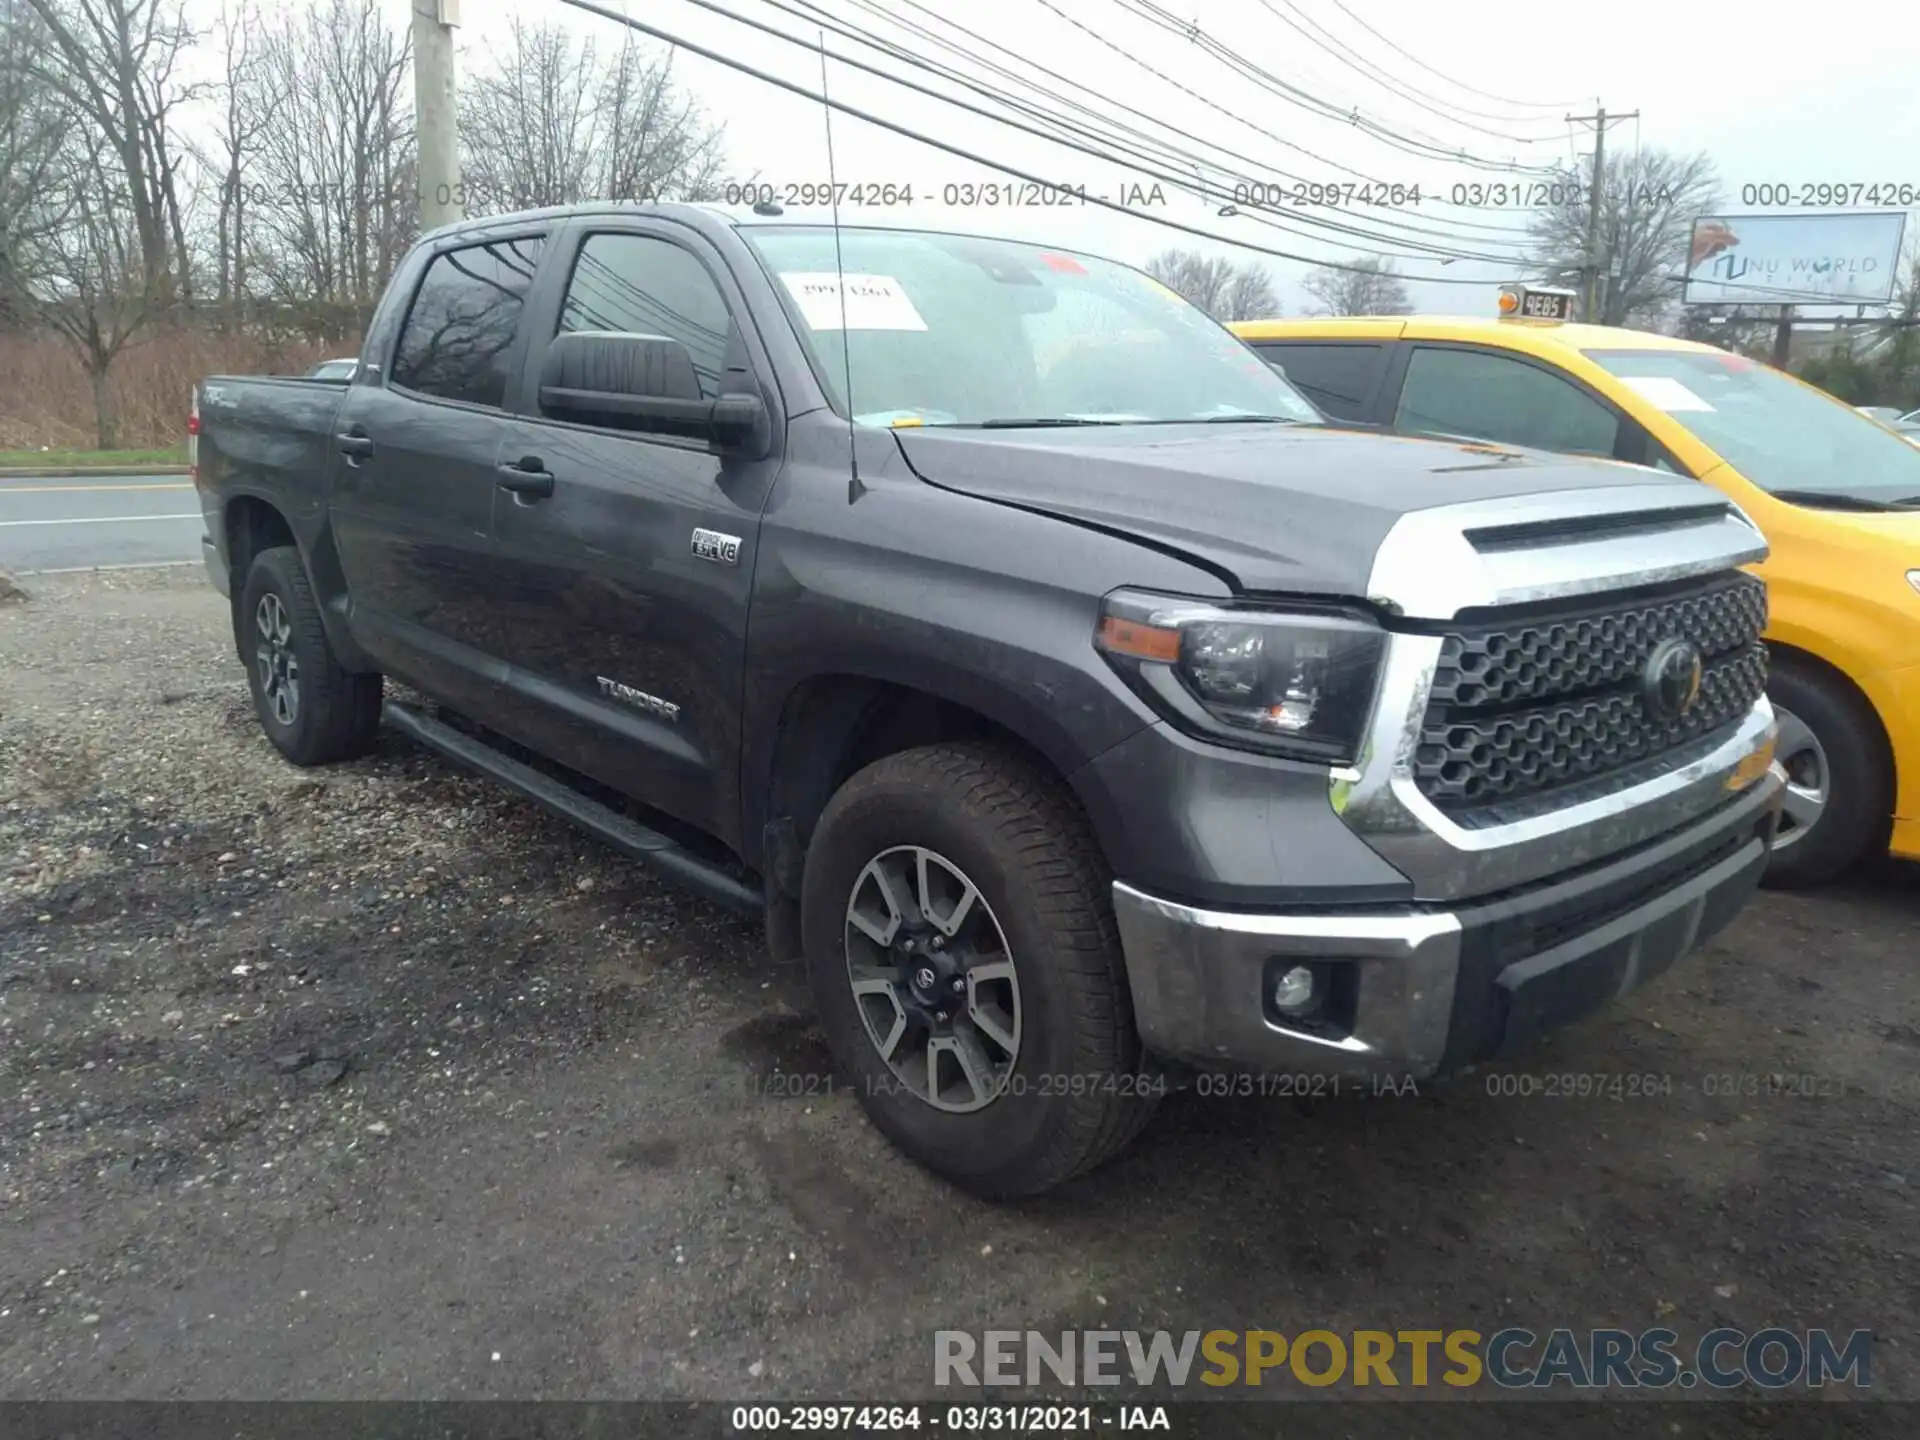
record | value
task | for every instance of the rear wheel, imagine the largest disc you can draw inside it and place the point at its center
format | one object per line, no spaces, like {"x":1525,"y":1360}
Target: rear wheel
{"x":1839,"y":780}
{"x":961,"y":944}
{"x":314,"y":711}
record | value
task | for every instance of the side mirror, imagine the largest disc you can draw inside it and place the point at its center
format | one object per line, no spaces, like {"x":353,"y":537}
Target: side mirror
{"x":645,"y":383}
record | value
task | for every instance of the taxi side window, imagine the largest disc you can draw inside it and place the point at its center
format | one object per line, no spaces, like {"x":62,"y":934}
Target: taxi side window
{"x":1339,"y":377}
{"x":1495,"y":397}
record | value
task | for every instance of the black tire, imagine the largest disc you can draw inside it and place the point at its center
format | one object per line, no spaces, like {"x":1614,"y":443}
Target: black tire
{"x":1077,"y":1091}
{"x":334,"y":713}
{"x":1842,"y":740}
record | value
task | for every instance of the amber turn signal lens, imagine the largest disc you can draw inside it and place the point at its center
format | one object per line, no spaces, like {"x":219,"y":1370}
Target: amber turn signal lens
{"x":1146,"y":642}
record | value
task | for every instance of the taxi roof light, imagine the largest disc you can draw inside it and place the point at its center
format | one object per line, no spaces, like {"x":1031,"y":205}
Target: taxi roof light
{"x":1548,"y":303}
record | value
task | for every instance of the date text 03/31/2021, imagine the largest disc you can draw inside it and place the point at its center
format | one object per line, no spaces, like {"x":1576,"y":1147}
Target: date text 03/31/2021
{"x":1208,"y":1085}
{"x":880,"y":1420}
{"x":963,"y":194}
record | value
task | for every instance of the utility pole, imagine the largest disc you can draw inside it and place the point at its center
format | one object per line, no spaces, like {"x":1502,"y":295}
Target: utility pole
{"x":1783,"y":338}
{"x":1590,"y":304}
{"x":442,"y":200}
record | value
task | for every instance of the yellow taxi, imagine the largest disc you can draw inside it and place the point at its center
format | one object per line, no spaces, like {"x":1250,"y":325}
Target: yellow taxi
{"x":1837,"y":496}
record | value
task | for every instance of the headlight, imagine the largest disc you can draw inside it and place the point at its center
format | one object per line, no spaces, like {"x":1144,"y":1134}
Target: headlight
{"x":1296,"y":683}
{"x":1913,"y":578}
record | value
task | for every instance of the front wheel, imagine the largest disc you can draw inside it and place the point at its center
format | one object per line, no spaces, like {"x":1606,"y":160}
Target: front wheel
{"x":960,"y":940}
{"x":1839,"y":796}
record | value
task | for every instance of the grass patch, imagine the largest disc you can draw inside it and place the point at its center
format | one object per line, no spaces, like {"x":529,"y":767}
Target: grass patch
{"x":67,"y":459}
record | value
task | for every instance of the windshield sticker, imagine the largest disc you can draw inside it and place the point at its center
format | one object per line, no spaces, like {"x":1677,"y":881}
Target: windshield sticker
{"x":1065,"y":264}
{"x":1669,"y":394}
{"x":872,"y":302}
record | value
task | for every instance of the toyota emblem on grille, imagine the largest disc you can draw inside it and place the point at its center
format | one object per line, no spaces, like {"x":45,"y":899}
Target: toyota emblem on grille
{"x":1671,"y":681}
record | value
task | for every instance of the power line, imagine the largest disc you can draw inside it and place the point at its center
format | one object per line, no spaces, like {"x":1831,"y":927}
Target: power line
{"x":1169,"y":153}
{"x":1404,"y":90}
{"x":1415,"y":248}
{"x":1306,"y":100}
{"x":1267,"y":170}
{"x":1461,"y":84}
{"x":706,"y":53}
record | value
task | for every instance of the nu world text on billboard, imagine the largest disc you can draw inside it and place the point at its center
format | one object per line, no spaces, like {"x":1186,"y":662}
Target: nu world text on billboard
{"x":1849,"y":259}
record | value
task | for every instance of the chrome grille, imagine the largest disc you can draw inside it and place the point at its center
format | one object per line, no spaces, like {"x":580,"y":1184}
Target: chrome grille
{"x":1520,"y":710}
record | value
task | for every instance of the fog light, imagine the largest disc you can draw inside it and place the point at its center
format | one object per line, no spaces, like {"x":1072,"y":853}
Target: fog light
{"x":1294,"y":990}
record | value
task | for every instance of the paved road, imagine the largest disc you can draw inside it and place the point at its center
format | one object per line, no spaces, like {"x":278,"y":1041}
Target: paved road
{"x":79,"y":521}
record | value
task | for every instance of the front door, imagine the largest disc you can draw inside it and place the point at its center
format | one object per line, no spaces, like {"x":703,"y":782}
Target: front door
{"x":623,"y":589}
{"x":1482,"y":394}
{"x":414,"y":482}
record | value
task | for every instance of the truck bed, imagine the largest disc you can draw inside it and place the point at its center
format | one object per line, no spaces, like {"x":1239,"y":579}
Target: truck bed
{"x":270,"y":434}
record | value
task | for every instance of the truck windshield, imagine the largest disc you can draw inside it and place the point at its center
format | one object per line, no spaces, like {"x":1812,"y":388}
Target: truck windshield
{"x":936,"y":329}
{"x":1785,"y":437}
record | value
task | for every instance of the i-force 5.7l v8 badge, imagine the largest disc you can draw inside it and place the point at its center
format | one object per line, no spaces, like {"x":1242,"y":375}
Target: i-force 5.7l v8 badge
{"x":714,"y":546}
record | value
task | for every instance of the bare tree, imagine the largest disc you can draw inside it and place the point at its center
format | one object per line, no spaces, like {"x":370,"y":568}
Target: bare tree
{"x":1370,"y":288}
{"x":245,"y":110}
{"x":553,"y":121}
{"x":1225,"y":289}
{"x":331,"y":200}
{"x":1646,"y":217}
{"x":115,"y":64}
{"x":31,"y":131}
{"x":84,"y":274}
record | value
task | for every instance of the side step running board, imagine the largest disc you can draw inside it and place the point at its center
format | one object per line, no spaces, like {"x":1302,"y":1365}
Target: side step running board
{"x":627,"y":836}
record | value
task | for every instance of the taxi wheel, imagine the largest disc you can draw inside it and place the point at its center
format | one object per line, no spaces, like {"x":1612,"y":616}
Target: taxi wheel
{"x":1839,"y":799}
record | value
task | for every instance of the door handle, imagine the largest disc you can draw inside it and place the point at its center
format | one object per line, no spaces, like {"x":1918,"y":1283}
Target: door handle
{"x":526,"y":480}
{"x":356,"y":445}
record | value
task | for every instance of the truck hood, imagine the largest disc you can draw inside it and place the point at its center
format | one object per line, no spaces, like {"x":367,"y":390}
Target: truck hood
{"x":1272,"y":508}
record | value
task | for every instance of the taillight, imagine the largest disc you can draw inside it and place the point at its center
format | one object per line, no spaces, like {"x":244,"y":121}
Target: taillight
{"x":193,"y":437}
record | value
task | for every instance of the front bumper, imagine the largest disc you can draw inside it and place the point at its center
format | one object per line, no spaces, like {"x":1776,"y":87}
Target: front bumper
{"x":1421,"y":990}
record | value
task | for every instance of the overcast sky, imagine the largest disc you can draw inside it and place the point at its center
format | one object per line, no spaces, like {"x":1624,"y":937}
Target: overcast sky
{"x":1829,"y":97}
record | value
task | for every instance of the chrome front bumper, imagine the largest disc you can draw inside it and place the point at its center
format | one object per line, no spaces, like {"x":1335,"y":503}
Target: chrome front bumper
{"x":1425,"y":989}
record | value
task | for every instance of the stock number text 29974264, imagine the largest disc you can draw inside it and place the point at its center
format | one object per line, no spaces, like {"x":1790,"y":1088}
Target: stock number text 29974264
{"x":966,"y":194}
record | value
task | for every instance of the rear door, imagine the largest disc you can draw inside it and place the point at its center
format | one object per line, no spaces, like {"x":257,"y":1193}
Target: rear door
{"x":414,"y":481}
{"x":1344,"y":378}
{"x":621,"y":595}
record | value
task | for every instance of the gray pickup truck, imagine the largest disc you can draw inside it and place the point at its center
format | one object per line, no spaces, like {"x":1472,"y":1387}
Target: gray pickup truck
{"x":1084,"y":711}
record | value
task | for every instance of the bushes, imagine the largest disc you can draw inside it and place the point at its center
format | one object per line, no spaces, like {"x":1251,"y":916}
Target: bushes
{"x":47,"y":399}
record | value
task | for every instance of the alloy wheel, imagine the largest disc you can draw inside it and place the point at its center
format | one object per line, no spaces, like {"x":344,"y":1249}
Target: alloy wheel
{"x":933,"y":978}
{"x":274,"y":660}
{"x":1809,"y":780}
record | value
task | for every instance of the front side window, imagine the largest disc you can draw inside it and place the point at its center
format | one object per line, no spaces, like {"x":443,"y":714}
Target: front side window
{"x":640,"y":285}
{"x":915,"y":327}
{"x":463,"y":320}
{"x":1495,"y":397}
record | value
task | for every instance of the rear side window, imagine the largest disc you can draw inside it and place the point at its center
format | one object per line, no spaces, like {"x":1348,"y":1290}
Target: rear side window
{"x":639,"y":285}
{"x":1340,"y":379}
{"x":463,"y":322}
{"x":1494,"y":397}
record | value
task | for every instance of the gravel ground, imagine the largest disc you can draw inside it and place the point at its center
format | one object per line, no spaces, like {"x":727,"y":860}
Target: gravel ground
{"x":376,"y":1082}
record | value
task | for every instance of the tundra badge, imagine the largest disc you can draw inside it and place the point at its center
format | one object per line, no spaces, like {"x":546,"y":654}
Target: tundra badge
{"x":712,"y":545}
{"x":639,"y":699}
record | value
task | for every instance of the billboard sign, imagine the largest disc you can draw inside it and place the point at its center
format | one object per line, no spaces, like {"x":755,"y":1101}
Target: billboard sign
{"x":1845,"y":259}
